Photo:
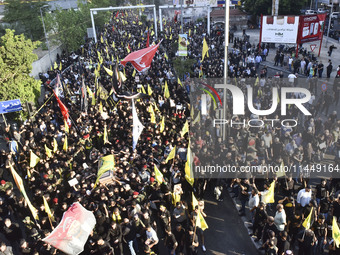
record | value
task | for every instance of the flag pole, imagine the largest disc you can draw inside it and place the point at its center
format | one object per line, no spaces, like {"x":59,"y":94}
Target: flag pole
{"x":49,"y":219}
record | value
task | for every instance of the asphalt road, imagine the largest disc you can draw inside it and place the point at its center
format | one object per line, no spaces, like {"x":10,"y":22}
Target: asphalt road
{"x":226,"y":234}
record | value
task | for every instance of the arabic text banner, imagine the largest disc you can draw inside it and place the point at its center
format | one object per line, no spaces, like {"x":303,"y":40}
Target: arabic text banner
{"x":311,"y":27}
{"x":72,"y":232}
{"x":279,"y":29}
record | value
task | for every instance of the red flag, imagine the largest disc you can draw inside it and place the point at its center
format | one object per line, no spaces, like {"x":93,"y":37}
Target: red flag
{"x":113,"y":28}
{"x":141,"y":59}
{"x":63,"y":109}
{"x":117,"y":14}
{"x":147,"y":41}
{"x":129,"y":47}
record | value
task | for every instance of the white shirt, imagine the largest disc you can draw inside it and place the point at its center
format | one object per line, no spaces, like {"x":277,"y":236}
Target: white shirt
{"x":304,"y":197}
{"x":280,"y":220}
{"x":254,"y":201}
{"x":152,"y":235}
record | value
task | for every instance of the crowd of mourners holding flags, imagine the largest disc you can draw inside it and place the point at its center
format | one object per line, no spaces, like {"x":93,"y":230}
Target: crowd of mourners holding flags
{"x":152,"y":203}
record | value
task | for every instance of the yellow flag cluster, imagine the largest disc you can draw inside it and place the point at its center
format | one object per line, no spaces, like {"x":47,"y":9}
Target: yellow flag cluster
{"x":179,"y":82}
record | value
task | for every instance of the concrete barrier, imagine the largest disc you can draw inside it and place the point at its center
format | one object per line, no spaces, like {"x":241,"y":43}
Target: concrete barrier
{"x":43,"y":64}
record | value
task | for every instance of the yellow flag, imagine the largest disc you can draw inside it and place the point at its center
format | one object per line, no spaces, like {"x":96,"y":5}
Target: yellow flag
{"x":91,"y":94}
{"x":152,"y":33}
{"x":48,"y":152}
{"x":113,"y":44}
{"x":48,"y":210}
{"x":171,"y":155}
{"x":308,"y":221}
{"x":185,"y":129}
{"x":67,"y":130}
{"x":60,"y":66}
{"x":179,"y":82}
{"x":34,"y":159}
{"x":20,"y":185}
{"x":100,"y":107}
{"x":194,"y":201}
{"x":162,"y":126}
{"x":200,"y":221}
{"x":165,"y":37}
{"x":205,"y":49}
{"x":105,"y":137}
{"x":158,"y":175}
{"x":153,"y":117}
{"x":268,"y":198}
{"x":189,"y":32}
{"x":55,"y":145}
{"x":166,"y":56}
{"x":134,"y":73}
{"x":149,"y":90}
{"x":143,"y":90}
{"x":189,"y":176}
{"x":55,"y":66}
{"x":109,"y":72}
{"x":336,"y":232}
{"x":128,"y":50}
{"x":101,"y":39}
{"x":170,"y":38}
{"x":166,"y":90}
{"x":122,"y":76}
{"x":65,"y":146}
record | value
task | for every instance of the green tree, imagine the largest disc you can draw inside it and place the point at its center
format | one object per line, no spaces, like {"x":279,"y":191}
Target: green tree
{"x":24,"y":17}
{"x":67,"y":27}
{"x":16,"y":58}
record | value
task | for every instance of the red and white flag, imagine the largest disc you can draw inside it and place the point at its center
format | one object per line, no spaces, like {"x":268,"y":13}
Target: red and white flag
{"x":141,"y":59}
{"x":73,"y":231}
{"x":63,"y":109}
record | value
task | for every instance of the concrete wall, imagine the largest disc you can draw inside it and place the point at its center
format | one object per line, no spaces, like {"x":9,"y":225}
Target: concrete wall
{"x":43,"y":64}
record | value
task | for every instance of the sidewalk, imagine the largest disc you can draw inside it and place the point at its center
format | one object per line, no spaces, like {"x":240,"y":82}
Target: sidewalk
{"x":335,"y":58}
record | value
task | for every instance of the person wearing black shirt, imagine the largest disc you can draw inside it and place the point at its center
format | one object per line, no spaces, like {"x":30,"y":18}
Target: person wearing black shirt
{"x":192,"y":242}
{"x":321,"y":191}
{"x":320,"y":229}
{"x":260,"y":219}
{"x":114,"y":238}
{"x":306,"y":240}
{"x":244,"y":196}
{"x":179,"y":233}
{"x":170,"y":241}
{"x":336,"y":207}
{"x":282,"y":243}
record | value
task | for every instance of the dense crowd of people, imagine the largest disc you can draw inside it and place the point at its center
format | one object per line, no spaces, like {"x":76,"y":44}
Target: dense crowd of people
{"x":135,"y":213}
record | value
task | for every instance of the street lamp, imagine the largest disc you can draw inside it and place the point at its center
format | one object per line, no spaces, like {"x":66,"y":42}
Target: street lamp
{"x":46,"y":38}
{"x":330,"y":19}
